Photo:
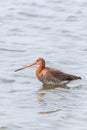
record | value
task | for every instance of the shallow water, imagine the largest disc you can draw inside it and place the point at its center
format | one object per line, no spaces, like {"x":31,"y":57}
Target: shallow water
{"x":57,"y":31}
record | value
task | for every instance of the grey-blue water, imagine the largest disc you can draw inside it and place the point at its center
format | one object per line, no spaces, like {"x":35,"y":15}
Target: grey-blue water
{"x":57,"y":31}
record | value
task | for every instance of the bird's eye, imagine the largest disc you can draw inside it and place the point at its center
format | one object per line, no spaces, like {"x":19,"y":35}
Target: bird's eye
{"x":37,"y":60}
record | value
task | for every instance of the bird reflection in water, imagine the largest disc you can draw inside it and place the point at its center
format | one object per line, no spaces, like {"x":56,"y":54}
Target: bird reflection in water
{"x":49,"y":86}
{"x":43,"y":102}
{"x":49,"y":112}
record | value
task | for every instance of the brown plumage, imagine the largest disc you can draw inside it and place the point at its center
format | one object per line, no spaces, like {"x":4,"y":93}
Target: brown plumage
{"x":49,"y":75}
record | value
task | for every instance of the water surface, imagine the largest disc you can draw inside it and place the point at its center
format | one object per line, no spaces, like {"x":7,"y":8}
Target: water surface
{"x":57,"y":31}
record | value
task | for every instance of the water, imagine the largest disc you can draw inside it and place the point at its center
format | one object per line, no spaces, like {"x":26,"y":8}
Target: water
{"x":57,"y":31}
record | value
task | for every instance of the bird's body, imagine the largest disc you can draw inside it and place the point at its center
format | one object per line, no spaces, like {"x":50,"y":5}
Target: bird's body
{"x":52,"y":76}
{"x":49,"y":75}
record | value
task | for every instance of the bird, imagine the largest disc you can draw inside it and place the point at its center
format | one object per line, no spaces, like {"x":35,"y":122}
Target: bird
{"x":49,"y":75}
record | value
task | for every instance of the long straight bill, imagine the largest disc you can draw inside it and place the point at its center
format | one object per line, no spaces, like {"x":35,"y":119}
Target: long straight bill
{"x":25,"y":67}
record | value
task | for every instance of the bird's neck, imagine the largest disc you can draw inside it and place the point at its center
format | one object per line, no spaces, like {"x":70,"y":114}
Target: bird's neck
{"x":39,"y":69}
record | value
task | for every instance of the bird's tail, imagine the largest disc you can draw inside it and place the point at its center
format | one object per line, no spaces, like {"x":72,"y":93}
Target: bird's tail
{"x":73,"y":77}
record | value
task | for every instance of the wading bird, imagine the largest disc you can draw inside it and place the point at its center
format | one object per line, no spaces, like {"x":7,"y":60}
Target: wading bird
{"x":48,"y":75}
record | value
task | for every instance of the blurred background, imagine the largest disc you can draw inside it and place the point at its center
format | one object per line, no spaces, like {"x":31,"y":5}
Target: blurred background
{"x":57,"y":31}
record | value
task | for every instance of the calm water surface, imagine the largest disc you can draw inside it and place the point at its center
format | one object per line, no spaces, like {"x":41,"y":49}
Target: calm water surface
{"x":57,"y":31}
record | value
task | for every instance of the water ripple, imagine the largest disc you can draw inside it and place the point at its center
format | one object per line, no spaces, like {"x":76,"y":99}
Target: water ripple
{"x":33,"y":15}
{"x":11,"y":50}
{"x":3,"y":128}
{"x":4,"y":80}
